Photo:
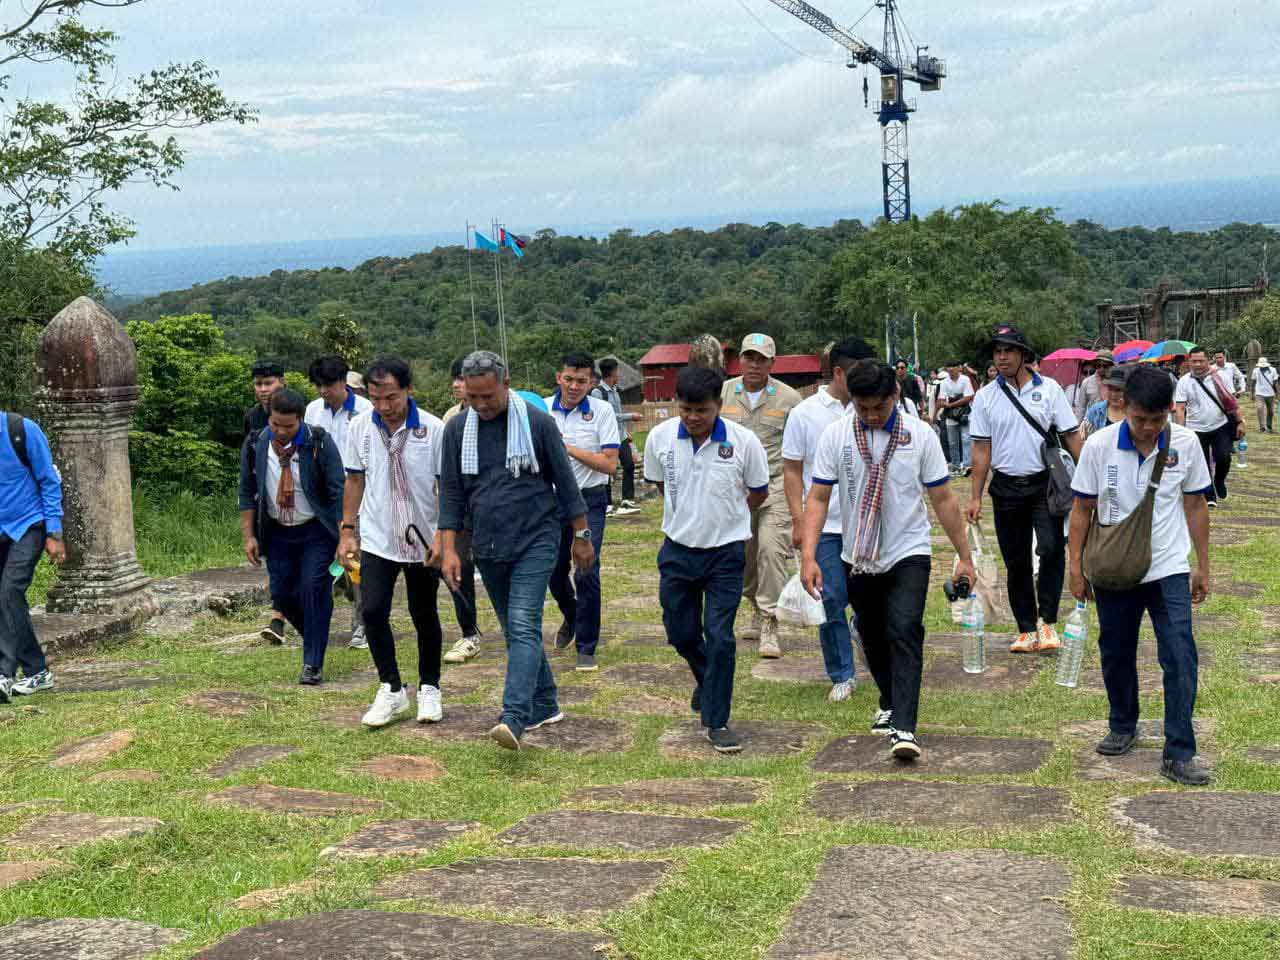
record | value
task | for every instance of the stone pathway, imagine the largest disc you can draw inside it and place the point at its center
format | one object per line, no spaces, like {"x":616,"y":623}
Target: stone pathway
{"x":1204,"y":823}
{"x":978,"y":907}
{"x":781,"y":738}
{"x":248,"y":758}
{"x":12,"y":874}
{"x":64,"y":831}
{"x":264,"y":798}
{"x":1139,"y":765}
{"x":951,"y":806}
{"x":398,"y":838}
{"x":1217,"y":898}
{"x":674,"y":793}
{"x":92,"y":749}
{"x":943,"y":754}
{"x":75,"y":939}
{"x":408,"y":769}
{"x":226,"y":703}
{"x":602,"y":830}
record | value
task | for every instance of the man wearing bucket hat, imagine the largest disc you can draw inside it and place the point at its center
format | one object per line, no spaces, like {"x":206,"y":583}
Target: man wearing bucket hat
{"x":1264,"y":393}
{"x":1007,"y":445}
{"x":761,"y":404}
{"x":1090,"y":391}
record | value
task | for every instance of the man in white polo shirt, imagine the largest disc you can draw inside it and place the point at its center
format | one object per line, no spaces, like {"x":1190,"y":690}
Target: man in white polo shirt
{"x":1004,"y":441}
{"x":805,"y":426}
{"x":712,"y":474}
{"x":393,"y":462}
{"x":1116,"y":469}
{"x":884,"y":462}
{"x":1264,"y":394}
{"x":590,"y":431}
{"x":1203,"y":402}
{"x":332,"y":412}
{"x":955,"y":396}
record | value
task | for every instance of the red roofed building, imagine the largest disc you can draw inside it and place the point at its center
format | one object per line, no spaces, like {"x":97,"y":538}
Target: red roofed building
{"x":661,"y":364}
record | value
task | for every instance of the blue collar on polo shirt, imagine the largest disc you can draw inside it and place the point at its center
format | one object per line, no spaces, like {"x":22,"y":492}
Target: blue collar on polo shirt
{"x":719,"y":433}
{"x":1036,"y":379}
{"x":1125,"y":441}
{"x":888,"y":424}
{"x":349,"y":404}
{"x":583,"y":407}
{"x":411,"y":421}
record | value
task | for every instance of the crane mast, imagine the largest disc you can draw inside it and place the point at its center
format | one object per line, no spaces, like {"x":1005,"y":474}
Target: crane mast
{"x":893,"y":108}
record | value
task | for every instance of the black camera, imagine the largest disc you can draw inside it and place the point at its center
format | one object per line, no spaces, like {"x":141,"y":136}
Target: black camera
{"x":957,"y":589}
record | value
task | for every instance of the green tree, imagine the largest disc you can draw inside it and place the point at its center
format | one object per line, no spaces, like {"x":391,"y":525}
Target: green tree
{"x":1260,"y":321}
{"x":337,"y":330}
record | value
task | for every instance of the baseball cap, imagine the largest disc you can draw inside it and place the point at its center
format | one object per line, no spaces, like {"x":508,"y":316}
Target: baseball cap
{"x":760,"y":343}
{"x":354,"y":380}
{"x":1116,"y":376}
{"x":1105,"y":356}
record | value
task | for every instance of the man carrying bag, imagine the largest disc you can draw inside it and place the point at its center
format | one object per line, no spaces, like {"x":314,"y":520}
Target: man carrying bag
{"x":1205,"y":404}
{"x":1140,"y":504}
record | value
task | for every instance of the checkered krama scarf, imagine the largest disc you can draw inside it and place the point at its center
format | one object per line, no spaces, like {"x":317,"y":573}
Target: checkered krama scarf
{"x":402,"y":515}
{"x":866,"y":547}
{"x":285,"y":452}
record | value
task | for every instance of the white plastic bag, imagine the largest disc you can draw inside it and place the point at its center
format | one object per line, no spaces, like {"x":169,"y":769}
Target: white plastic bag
{"x":796,"y":606}
{"x":990,"y":589}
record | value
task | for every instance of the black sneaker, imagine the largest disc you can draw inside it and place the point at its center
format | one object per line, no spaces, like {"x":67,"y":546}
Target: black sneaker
{"x":586,"y":663}
{"x":1187,"y":772}
{"x":904,"y":746}
{"x":274,"y":632}
{"x":1213,"y":504}
{"x":564,"y":636}
{"x":1116,"y":744}
{"x":1221,"y":492}
{"x":882,"y":722}
{"x":695,"y":702}
{"x":724,"y":740}
{"x":310,"y":677}
{"x":6,"y":688}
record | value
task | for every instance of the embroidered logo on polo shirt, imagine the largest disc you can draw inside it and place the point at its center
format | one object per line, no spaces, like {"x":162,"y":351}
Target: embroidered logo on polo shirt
{"x":588,"y":416}
{"x":1171,"y":458}
{"x":906,"y":439}
{"x":726,"y":451}
{"x":419,"y":433}
{"x":1035,"y":397}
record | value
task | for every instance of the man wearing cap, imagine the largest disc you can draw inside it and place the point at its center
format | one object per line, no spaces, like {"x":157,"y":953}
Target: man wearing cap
{"x":1006,"y":445}
{"x":760,"y":403}
{"x":1110,"y":409}
{"x":1264,"y":393}
{"x":1090,"y":391}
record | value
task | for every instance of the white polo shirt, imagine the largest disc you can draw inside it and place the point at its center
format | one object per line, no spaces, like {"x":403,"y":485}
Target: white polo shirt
{"x":1015,"y":445}
{"x":591,"y":425}
{"x":1232,"y":378}
{"x":366,"y":452}
{"x":302,"y":509}
{"x":806,"y":423}
{"x":1203,"y":414}
{"x":1113,"y":472}
{"x":336,"y":423}
{"x":917,"y":463}
{"x":956,"y":389}
{"x":704,"y":497}
{"x":1264,"y":381}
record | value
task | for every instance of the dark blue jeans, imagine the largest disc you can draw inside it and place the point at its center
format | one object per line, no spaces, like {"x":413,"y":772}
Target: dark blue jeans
{"x":699,"y":591}
{"x":18,"y":644}
{"x":298,"y":561}
{"x":517,"y":590}
{"x":580,"y":602}
{"x":1168,"y":602}
{"x":837,"y":648}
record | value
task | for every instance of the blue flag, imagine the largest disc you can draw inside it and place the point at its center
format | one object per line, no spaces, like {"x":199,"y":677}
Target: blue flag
{"x":511,"y":240}
{"x":484,"y":243}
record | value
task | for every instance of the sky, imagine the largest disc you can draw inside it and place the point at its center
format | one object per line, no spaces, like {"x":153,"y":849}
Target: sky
{"x":396,"y":117}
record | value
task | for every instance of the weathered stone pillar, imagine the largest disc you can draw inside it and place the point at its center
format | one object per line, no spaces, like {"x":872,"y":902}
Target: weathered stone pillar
{"x":86,"y":389}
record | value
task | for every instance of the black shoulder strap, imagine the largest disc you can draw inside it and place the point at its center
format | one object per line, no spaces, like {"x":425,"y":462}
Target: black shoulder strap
{"x":1158,"y":471}
{"x":1044,"y":434}
{"x":1210,"y":394}
{"x":18,"y":439}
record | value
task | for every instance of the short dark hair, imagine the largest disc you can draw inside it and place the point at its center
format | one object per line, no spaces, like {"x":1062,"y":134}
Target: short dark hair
{"x":285,"y":400}
{"x":455,"y":368}
{"x":326,"y":370}
{"x":698,"y":385}
{"x":607,"y":366}
{"x":1196,"y":349}
{"x":851,"y":349}
{"x":953,"y":363}
{"x":267,"y":368}
{"x":384,"y":367}
{"x":577,"y":360}
{"x":876,"y":380}
{"x":1148,"y":388}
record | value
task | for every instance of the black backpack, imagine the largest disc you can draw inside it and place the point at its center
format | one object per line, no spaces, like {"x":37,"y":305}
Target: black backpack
{"x":18,"y":438}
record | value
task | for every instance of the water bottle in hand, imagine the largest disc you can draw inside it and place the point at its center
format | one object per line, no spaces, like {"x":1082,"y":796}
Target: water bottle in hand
{"x":1074,"y":638}
{"x":974,"y":644}
{"x":1242,"y":451}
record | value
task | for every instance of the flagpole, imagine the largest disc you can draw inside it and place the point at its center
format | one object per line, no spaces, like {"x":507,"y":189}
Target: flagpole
{"x":475,"y":336}
{"x":502,"y":314}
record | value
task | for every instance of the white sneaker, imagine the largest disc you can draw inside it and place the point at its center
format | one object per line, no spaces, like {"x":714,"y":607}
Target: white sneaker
{"x":29,"y":685}
{"x":430,"y":706}
{"x":386,"y":706}
{"x":463,"y":650}
{"x":841,"y":691}
{"x":882,"y":722}
{"x":626,"y":511}
{"x":6,"y":688}
{"x":769,"y":648}
{"x":358,"y":640}
{"x":629,"y":505}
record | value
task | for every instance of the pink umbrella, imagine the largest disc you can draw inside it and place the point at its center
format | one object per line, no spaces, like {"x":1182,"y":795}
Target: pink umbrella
{"x":1064,"y":365}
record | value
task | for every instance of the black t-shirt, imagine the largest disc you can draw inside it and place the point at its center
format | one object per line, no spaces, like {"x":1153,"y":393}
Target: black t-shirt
{"x":255,"y":421}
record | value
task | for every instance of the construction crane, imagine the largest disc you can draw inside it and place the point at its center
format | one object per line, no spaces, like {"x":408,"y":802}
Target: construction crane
{"x":893,"y":107}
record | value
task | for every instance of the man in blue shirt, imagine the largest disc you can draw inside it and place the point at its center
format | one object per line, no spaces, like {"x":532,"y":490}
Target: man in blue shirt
{"x":30,"y":520}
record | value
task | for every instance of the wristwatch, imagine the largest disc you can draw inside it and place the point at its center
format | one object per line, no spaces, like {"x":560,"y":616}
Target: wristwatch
{"x":348,"y":526}
{"x":583,"y":534}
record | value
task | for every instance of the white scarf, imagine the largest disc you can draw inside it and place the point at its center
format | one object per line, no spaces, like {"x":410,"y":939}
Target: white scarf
{"x":520,"y":452}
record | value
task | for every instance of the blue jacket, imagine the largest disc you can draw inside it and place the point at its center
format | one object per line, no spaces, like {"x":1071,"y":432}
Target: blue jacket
{"x":320,"y":474}
{"x":28,"y":497}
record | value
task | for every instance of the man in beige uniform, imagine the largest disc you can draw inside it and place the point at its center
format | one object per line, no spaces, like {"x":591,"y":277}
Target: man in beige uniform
{"x":760,"y":403}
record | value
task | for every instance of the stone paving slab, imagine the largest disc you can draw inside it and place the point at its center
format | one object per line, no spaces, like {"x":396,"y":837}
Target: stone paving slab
{"x":1262,"y":667}
{"x":61,"y":831}
{"x":92,"y":749}
{"x":951,"y":806}
{"x":408,"y":769}
{"x":225,"y":703}
{"x":274,"y":896}
{"x":647,"y":705}
{"x":124,"y":776}
{"x":107,"y":684}
{"x":462,"y":723}
{"x":265,"y":798}
{"x":727,"y":791}
{"x":948,"y":674}
{"x":1237,"y":588}
{"x":249,"y":758}
{"x":943,"y":754}
{"x":1270,"y":755}
{"x":649,"y":674}
{"x":1139,"y":765}
{"x":581,"y":734}
{"x":77,"y":939}
{"x":978,"y":907}
{"x":759,"y":738}
{"x":601,"y":829}
{"x":21,"y":871}
{"x":792,"y":670}
{"x":398,"y":838}
{"x":563,"y":887}
{"x":1217,"y":898}
{"x":374,"y":935}
{"x":1204,"y":823}
{"x":1150,"y":682}
{"x":1150,"y":732}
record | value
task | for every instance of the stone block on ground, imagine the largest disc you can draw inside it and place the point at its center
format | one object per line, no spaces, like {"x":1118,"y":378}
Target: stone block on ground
{"x":562,"y":887}
{"x":367,"y":934}
{"x":1268,"y":755}
{"x":792,"y":670}
{"x":978,"y":907}
{"x":265,"y":798}
{"x":947,"y":673}
{"x":1239,"y":588}
{"x":13,"y":873}
{"x":1139,"y":765}
{"x":943,"y":754}
{"x":726,"y":791}
{"x":249,"y":758}
{"x":273,"y":896}
{"x":398,"y":838}
{"x":124,"y":776}
{"x":62,"y":831}
{"x":581,"y":734}
{"x":1150,"y":682}
{"x":600,"y":829}
{"x":647,"y":705}
{"x":79,"y":939}
{"x":759,"y":738}
{"x":1150,"y":732}
{"x":408,"y":769}
{"x":950,"y":806}
{"x":92,"y":749}
{"x":1206,"y":823}
{"x":225,"y":703}
{"x":1216,"y":898}
{"x":462,"y":723}
{"x":645,"y":675}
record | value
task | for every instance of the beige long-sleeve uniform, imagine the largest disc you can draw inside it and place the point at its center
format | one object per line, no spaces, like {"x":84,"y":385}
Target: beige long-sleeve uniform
{"x":770,"y":546}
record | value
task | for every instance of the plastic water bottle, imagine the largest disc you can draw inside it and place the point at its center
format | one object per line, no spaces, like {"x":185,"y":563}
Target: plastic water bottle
{"x":1074,"y":637}
{"x":1242,"y":449}
{"x":973,"y":650}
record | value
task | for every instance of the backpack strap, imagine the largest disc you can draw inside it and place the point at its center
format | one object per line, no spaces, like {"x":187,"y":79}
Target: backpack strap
{"x":18,"y":439}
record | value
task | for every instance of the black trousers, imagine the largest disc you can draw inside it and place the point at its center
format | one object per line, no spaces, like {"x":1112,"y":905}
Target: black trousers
{"x":378,"y":583}
{"x":1021,"y":508}
{"x":464,"y":598}
{"x":627,"y":460}
{"x":1216,"y":446}
{"x":890,"y":609}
